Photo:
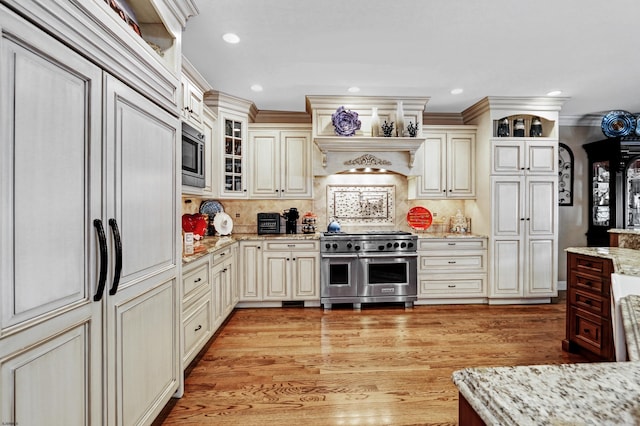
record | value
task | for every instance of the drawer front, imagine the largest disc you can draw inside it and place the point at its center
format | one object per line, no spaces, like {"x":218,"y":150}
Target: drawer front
{"x":590,"y":302}
{"x":453,"y":263}
{"x":302,"y":245}
{"x":443,"y":288}
{"x":590,"y":283}
{"x":220,"y":256}
{"x":451,"y":244}
{"x":197,"y":327}
{"x":194,"y":280}
{"x":590,"y":332}
{"x":591,"y":265}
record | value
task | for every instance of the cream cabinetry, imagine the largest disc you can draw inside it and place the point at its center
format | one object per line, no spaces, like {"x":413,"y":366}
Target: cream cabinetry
{"x":452,"y":270}
{"x":101,"y":309}
{"x":445,"y":164}
{"x":512,"y":156}
{"x":517,"y":195}
{"x":280,"y":161}
{"x":291,"y":270}
{"x":197,"y":307}
{"x":225,"y":294}
{"x":192,"y":109}
{"x":250,"y":271}
{"x":524,"y":261}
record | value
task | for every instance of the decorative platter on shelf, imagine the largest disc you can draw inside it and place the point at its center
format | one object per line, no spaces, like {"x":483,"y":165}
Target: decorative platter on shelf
{"x":618,"y":123}
{"x":211,"y":207}
{"x":419,"y":218}
{"x":223,"y":223}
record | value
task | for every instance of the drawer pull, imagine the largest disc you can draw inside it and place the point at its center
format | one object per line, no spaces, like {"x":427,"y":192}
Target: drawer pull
{"x":588,"y":302}
{"x":198,"y":327}
{"x":451,"y":286}
{"x":586,"y":331}
{"x":451,"y":244}
{"x":451,"y":262}
{"x":291,"y":245}
{"x":197,"y":280}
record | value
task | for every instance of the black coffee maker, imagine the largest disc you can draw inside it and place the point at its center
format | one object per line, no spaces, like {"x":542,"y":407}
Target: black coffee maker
{"x":291,"y":216}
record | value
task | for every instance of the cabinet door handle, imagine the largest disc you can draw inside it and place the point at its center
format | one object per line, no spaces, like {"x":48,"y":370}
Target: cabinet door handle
{"x":104,"y":260}
{"x":198,"y":327}
{"x":294,"y":259}
{"x":118,"y":244}
{"x":197,"y":280}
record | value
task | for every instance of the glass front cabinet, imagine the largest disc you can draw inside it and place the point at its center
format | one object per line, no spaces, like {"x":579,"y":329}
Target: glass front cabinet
{"x":233,"y":157}
{"x":614,"y":183}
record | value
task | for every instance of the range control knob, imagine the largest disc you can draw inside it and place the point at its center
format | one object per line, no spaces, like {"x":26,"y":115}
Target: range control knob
{"x":389,"y":245}
{"x":410,"y":245}
{"x":403,"y":245}
{"x":396,"y":245}
{"x":327,"y":245}
{"x":381,"y":247}
{"x":349,"y":245}
{"x":357,"y":248}
{"x":335,"y":246}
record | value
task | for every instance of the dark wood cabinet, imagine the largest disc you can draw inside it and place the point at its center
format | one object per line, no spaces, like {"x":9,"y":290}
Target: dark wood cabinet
{"x":589,"y":329}
{"x":614,"y":182}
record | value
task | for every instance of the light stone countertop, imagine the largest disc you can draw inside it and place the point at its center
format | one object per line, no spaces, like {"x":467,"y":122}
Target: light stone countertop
{"x":422,"y":235}
{"x":625,"y":261}
{"x":630,"y":306}
{"x":567,"y":394}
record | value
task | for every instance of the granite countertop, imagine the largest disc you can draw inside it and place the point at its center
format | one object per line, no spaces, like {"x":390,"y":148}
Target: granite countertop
{"x":625,"y":261}
{"x":566,"y":394}
{"x":624,"y":231}
{"x":211,"y":244}
{"x":630,"y":307}
{"x":447,"y":235}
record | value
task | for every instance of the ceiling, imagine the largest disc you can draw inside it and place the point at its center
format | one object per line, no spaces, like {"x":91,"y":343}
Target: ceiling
{"x":293,"y":48}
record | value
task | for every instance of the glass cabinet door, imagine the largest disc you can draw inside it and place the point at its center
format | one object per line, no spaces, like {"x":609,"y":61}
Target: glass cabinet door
{"x":601,"y":209}
{"x":233,"y":161}
{"x":633,"y":194}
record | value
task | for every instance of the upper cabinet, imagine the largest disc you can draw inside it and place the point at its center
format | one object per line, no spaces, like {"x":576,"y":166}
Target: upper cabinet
{"x":445,"y":166}
{"x":280,"y":161}
{"x":523,"y":156}
{"x":230,"y":143}
{"x":192,"y":87}
{"x":150,"y":62}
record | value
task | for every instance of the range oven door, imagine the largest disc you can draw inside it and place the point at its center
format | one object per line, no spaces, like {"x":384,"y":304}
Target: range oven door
{"x":388,"y":275}
{"x":339,"y":275}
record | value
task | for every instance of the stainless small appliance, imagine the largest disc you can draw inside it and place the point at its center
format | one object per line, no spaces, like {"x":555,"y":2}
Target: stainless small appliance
{"x":291,"y":216}
{"x":368,"y":267}
{"x":268,"y":223}
{"x":193,"y":152}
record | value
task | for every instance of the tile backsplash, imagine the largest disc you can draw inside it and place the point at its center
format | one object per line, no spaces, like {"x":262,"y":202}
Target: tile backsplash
{"x":379,"y":200}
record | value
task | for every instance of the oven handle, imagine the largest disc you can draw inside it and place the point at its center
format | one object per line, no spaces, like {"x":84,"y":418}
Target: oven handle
{"x":388,"y":254}
{"x":339,"y":256}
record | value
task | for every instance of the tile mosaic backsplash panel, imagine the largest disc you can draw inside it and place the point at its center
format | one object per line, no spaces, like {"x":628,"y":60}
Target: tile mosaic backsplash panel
{"x":362,"y":204}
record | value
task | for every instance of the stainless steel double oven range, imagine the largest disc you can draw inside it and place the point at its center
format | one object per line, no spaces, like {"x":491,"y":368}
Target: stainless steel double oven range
{"x":371,"y":267}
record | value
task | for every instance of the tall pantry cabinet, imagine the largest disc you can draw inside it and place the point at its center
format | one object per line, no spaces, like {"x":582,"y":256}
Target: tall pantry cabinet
{"x":517,"y":200}
{"x":89,"y":246}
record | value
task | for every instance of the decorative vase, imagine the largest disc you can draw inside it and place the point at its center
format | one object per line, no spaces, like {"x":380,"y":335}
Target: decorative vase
{"x":399,"y":119}
{"x":503,"y":128}
{"x":518,"y":127}
{"x":375,"y":123}
{"x":536,"y":127}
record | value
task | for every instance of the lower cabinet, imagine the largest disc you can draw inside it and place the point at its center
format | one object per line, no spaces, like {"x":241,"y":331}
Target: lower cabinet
{"x":589,"y":327}
{"x":279,"y":270}
{"x":209,"y":294}
{"x":291,"y":270}
{"x":452,"y":270}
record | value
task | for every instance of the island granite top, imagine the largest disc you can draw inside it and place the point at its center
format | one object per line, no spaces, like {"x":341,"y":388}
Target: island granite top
{"x":565,"y":394}
{"x":625,"y":261}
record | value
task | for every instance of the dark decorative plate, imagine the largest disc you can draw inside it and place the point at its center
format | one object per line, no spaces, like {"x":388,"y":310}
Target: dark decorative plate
{"x":211,"y":207}
{"x":618,"y":124}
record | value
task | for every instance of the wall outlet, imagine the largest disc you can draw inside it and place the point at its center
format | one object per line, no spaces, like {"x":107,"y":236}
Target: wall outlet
{"x":237,"y":215}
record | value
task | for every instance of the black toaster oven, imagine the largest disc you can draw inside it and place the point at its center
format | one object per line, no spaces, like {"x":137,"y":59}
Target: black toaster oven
{"x":268,"y":223}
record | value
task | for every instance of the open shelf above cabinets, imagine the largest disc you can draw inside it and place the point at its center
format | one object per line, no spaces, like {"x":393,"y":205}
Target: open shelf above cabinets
{"x":524,"y":125}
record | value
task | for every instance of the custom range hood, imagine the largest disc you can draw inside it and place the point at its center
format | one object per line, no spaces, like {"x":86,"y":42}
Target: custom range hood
{"x":342,"y":153}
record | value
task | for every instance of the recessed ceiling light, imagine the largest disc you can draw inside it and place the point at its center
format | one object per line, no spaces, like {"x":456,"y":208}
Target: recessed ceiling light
{"x":456,"y":91}
{"x":231,"y":38}
{"x":554,"y":93}
{"x":256,"y":88}
{"x":353,"y":89}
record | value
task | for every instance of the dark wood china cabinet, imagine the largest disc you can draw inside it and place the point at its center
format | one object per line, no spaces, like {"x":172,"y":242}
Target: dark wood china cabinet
{"x":614,"y":182}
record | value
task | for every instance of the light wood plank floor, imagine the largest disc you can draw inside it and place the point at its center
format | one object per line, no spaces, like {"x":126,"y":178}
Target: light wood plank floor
{"x":383,"y":365}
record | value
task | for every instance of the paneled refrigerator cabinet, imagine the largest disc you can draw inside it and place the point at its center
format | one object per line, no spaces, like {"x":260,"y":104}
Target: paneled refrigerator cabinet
{"x":89,"y":308}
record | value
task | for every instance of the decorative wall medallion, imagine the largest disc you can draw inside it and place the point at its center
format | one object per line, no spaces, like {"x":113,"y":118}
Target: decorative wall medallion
{"x":565,"y":175}
{"x":367,"y":160}
{"x":361,"y":204}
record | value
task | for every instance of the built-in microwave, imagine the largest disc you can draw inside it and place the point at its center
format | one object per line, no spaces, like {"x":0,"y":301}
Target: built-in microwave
{"x":193,"y":152}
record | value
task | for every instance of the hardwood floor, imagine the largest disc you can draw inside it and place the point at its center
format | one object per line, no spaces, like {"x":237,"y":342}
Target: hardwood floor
{"x":383,"y":365}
